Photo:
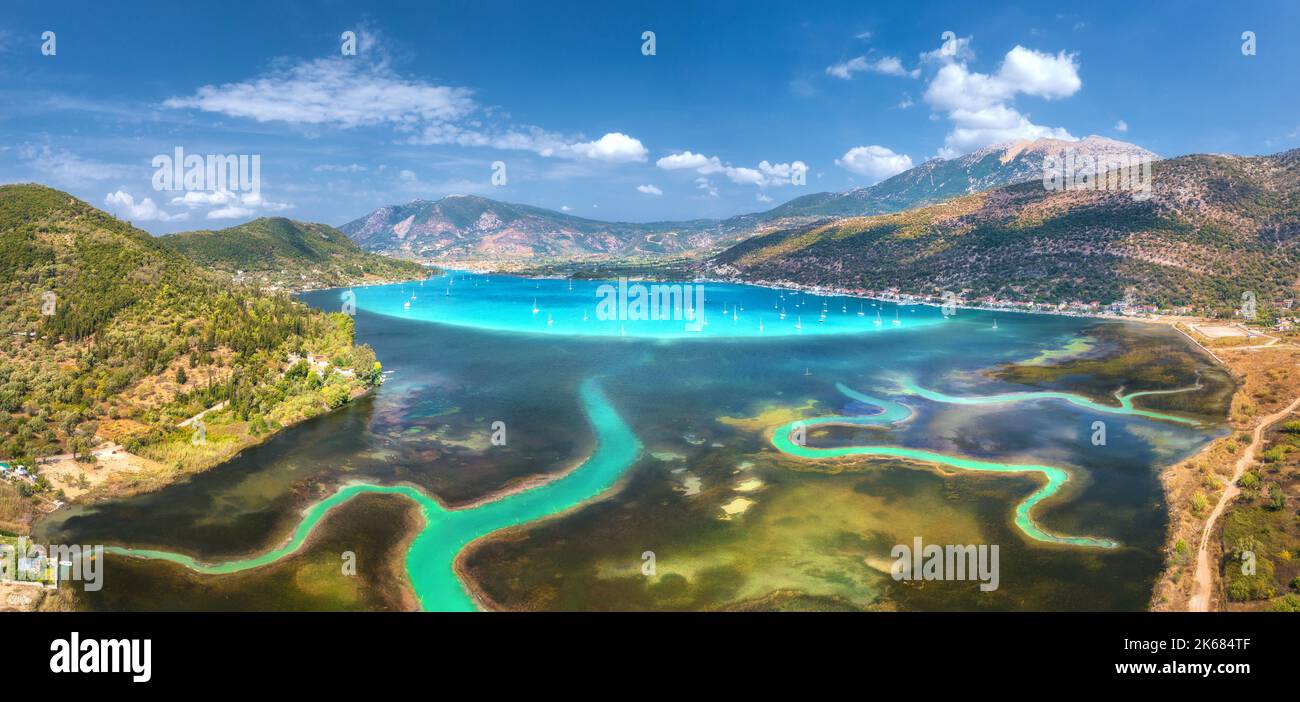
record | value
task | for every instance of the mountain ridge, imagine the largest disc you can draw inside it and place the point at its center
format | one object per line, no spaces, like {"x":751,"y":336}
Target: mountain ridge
{"x":471,"y":227}
{"x":1213,"y":229}
{"x":280,"y":253}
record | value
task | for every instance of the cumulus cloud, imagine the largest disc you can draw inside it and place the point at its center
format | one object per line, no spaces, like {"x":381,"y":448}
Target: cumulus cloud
{"x":227,"y":204}
{"x":614,"y":147}
{"x":876,"y":162}
{"x":1121,"y":126}
{"x":980,"y":105}
{"x":145,"y":210}
{"x":686,"y":159}
{"x":889,"y":66}
{"x":649,"y":190}
{"x":351,"y":92}
{"x":765,"y":175}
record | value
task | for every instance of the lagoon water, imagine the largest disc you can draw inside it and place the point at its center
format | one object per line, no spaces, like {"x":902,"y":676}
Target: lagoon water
{"x":631,"y":413}
{"x":607,"y":308}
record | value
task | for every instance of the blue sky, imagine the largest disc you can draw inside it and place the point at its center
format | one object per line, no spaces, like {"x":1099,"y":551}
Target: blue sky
{"x":738,"y":100}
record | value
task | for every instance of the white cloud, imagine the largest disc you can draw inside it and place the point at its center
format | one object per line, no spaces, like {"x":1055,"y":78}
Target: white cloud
{"x":339,"y":91}
{"x":145,"y":210}
{"x":349,"y":92}
{"x":649,"y":190}
{"x":979,"y":104}
{"x":762,"y":198}
{"x":874,"y":161}
{"x":1121,"y":126}
{"x":614,"y":147}
{"x":889,"y":66}
{"x":686,"y":159}
{"x":229,"y":205}
{"x":765,"y":175}
{"x":565,"y":208}
{"x":707,"y":186}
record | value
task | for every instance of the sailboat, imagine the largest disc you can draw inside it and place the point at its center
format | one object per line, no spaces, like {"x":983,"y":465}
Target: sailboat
{"x":734,"y":316}
{"x":798,"y":322}
{"x":584,"y":314}
{"x":549,"y":321}
{"x":995,"y":322}
{"x":760,"y":326}
{"x":535,"y":310}
{"x":861,"y":312}
{"x":406,"y":305}
{"x":877,"y":322}
{"x":897,"y":321}
{"x":782,"y":313}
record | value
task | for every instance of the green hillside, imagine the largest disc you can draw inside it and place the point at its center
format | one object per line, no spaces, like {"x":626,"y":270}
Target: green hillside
{"x":281,"y":253}
{"x":135,"y":338}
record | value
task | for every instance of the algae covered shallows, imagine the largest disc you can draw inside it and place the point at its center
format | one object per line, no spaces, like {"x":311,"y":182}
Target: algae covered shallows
{"x":431,"y":558}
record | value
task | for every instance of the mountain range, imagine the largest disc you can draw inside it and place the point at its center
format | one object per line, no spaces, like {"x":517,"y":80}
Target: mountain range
{"x":471,"y":228}
{"x":466,"y":228}
{"x":1213,"y":229}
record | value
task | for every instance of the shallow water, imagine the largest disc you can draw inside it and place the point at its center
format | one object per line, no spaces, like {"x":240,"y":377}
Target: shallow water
{"x":428,"y":428}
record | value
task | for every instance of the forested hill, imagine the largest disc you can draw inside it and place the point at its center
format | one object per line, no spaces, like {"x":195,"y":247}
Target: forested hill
{"x":274,"y":252}
{"x":109,"y":334}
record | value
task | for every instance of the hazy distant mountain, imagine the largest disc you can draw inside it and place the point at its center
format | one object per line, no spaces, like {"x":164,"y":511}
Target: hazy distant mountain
{"x":465,"y":227}
{"x":279,"y":252}
{"x":468,"y":227}
{"x":1214,"y":227}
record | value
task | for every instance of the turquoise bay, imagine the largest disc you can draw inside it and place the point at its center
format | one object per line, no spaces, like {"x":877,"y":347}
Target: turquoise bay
{"x":573,"y":308}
